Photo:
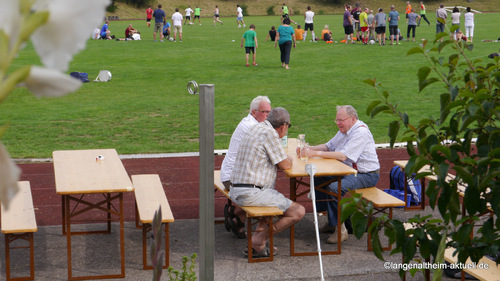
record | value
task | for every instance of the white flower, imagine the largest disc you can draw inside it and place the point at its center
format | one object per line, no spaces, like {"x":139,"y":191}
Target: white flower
{"x":67,"y":29}
{"x":9,"y":175}
{"x":45,"y":82}
{"x":10,"y":19}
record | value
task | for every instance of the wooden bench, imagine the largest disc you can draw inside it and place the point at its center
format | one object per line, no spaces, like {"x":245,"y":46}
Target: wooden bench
{"x":490,"y":273}
{"x":18,"y":222}
{"x":382,"y":202}
{"x":257,"y":213}
{"x":149,"y":196}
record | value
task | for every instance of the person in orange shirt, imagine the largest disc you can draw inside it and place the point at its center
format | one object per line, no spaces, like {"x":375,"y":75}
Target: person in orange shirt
{"x":326,"y":34}
{"x":299,"y":32}
{"x":408,"y":10}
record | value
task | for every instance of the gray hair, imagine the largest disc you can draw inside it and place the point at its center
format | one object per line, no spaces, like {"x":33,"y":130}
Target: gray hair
{"x":254,"y":105}
{"x":349,"y":110}
{"x":278,"y":116}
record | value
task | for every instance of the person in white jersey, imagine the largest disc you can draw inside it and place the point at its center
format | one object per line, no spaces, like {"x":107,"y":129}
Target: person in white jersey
{"x":469,"y":25}
{"x":239,"y":16}
{"x":177,"y":24}
{"x":189,"y":11}
{"x":309,"y":23}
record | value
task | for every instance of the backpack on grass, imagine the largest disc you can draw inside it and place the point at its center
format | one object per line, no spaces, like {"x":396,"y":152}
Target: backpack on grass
{"x":82,"y":76}
{"x":397,"y":180}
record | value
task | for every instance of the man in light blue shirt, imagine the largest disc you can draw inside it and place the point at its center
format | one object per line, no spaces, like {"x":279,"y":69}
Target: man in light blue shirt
{"x":354,"y":146}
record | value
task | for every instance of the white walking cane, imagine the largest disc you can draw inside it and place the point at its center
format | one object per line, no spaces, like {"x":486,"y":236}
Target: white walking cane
{"x":311,"y":170}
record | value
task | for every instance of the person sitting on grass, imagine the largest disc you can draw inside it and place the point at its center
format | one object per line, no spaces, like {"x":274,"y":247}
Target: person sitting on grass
{"x":166,"y":30}
{"x":272,"y":34}
{"x":299,"y":32}
{"x":250,"y":39}
{"x":326,"y":34}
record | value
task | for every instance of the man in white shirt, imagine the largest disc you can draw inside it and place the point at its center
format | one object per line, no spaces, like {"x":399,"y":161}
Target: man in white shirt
{"x":259,"y":109}
{"x":177,"y":24}
{"x":188,"y":15}
{"x":309,"y":23}
{"x":441,"y":14}
{"x":239,"y":16}
{"x":354,"y":146}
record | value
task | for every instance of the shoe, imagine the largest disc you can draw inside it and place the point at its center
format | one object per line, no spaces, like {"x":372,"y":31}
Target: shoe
{"x":244,"y":25}
{"x":154,"y":41}
{"x":239,"y":26}
{"x":161,"y":41}
{"x":227,"y":217}
{"x":265,"y":253}
{"x":236,"y":224}
{"x":327,"y":228}
{"x":180,"y":41}
{"x":343,"y":236}
{"x":117,"y":39}
{"x":255,"y":64}
{"x":247,"y":64}
{"x":221,"y":23}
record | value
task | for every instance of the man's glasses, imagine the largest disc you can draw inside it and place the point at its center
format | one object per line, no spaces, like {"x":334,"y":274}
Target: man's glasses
{"x":341,"y":120}
{"x":289,"y":125}
{"x":263,"y":111}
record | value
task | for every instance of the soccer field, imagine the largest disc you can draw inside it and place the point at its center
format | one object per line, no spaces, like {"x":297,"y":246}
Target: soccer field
{"x":146,"y":108}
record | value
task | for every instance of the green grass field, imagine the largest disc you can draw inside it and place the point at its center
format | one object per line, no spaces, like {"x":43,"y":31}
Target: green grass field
{"x":145,"y":108}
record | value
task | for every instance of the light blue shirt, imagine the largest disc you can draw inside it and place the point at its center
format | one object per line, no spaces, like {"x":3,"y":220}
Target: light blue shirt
{"x":358,"y":146}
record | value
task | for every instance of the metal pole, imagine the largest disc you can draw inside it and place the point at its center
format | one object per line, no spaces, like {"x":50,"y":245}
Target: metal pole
{"x":207,"y":229}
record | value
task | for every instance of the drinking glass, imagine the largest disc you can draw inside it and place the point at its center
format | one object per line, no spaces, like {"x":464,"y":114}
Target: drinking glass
{"x":304,"y":153}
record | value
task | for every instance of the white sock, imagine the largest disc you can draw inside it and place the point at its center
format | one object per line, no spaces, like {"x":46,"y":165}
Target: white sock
{"x":314,"y":37}
{"x":305,"y":35}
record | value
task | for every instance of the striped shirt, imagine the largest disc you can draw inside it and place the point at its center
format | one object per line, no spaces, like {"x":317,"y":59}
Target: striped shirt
{"x":358,"y":146}
{"x":258,"y":153}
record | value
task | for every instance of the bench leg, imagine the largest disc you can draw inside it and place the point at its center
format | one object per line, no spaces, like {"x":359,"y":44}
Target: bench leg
{"x":269,"y":221}
{"x":10,"y":237}
{"x":147,"y":228}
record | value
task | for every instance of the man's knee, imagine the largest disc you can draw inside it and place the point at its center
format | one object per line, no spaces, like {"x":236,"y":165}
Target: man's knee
{"x":297,"y":211}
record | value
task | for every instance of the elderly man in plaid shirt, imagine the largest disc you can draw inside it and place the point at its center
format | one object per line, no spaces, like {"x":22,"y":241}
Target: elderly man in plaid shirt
{"x":254,"y":175}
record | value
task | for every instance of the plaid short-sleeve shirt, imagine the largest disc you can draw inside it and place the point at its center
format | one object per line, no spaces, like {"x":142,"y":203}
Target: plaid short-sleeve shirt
{"x":258,"y":153}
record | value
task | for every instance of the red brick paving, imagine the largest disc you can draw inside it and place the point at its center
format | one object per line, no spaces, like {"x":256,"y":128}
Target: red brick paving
{"x":180,"y":178}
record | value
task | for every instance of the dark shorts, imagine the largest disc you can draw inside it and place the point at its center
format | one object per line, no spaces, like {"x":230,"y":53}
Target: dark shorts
{"x":309,"y":26}
{"x":249,"y":49}
{"x":285,"y":16}
{"x":148,"y":20}
{"x":348,"y":30}
{"x":406,"y":15}
{"x":188,"y":17}
{"x":196,"y":17}
{"x":380,"y":29}
{"x":393,"y":29}
{"x":216,"y":15}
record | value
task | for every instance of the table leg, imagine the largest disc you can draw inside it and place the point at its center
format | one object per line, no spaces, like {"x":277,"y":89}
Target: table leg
{"x":63,"y":214}
{"x":339,"y":208}
{"x":122,"y":236}
{"x":67,"y":223}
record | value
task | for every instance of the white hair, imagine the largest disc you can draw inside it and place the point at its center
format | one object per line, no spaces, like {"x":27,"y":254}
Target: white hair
{"x":349,"y":110}
{"x":254,"y":105}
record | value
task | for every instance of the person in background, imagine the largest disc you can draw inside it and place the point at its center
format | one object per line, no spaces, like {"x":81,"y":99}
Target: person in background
{"x":326,"y":33}
{"x":188,"y":11}
{"x":423,"y":11}
{"x":272,"y":34}
{"x":239,"y":16}
{"x":380,"y":23}
{"x":393,"y":24}
{"x":469,"y":25}
{"x":216,"y":15}
{"x":177,"y":24}
{"x":286,"y":38}
{"x":167,"y":30}
{"x":160,"y":18}
{"x":412,"y":22}
{"x":250,"y":40}
{"x":149,"y":16}
{"x":105,"y":33}
{"x":408,"y":10}
{"x":197,"y":14}
{"x":441,"y":16}
{"x":455,"y":20}
{"x":299,"y":33}
{"x":348,"y":27}
{"x":309,"y":23}
{"x":363,"y":23}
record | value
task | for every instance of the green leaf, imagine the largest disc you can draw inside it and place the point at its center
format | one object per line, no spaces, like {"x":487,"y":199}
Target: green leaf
{"x":359,"y":224}
{"x":422,"y":73}
{"x":440,"y":258}
{"x":379,"y":109}
{"x":415,"y":50}
{"x":370,"y":82}
{"x":393,"y":132}
{"x":12,"y":80}
{"x":445,"y":100}
{"x":422,"y":85}
{"x":371,"y":106}
{"x":376,"y":245}
{"x":454,"y":27}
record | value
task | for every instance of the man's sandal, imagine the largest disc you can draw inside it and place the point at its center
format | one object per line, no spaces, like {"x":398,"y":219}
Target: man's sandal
{"x":236,"y":224}
{"x":264,"y":253}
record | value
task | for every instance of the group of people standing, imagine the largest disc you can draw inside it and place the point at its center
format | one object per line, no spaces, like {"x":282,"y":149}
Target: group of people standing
{"x":255,"y":153}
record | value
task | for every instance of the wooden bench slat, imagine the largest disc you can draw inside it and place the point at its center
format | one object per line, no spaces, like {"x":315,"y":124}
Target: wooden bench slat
{"x":149,"y":197}
{"x":379,"y":198}
{"x":20,"y":217}
{"x":492,"y":273}
{"x":253,"y":211}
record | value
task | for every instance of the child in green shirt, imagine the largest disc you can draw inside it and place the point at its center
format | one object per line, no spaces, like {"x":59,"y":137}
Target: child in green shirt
{"x":250,"y":39}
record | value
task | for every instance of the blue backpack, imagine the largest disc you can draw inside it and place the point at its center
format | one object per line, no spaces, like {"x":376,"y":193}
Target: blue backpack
{"x":82,"y":76}
{"x":397,"y":180}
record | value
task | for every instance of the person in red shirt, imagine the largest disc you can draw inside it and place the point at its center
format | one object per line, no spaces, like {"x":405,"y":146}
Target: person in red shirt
{"x":149,"y":15}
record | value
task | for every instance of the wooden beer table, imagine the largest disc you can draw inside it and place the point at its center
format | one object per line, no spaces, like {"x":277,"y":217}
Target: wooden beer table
{"x":324,"y":167}
{"x":80,"y":173}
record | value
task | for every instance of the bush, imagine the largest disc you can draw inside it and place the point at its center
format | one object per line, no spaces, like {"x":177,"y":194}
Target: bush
{"x":112,"y":7}
{"x":245,"y":9}
{"x":470,"y":103}
{"x":321,"y":12}
{"x":296,"y":12}
{"x":270,"y":10}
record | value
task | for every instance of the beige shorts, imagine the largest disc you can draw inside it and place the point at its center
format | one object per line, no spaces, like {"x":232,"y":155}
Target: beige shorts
{"x":178,"y":28}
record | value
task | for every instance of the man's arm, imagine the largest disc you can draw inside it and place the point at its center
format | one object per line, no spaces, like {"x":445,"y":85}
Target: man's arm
{"x":323,"y":152}
{"x":286,"y":163}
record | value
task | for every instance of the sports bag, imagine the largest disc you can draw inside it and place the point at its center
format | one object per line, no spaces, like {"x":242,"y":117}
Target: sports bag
{"x":82,"y":76}
{"x":397,"y":181}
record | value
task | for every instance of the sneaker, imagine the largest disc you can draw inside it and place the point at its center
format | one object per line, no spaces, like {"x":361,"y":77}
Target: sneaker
{"x":180,"y":41}
{"x":327,"y":228}
{"x":255,"y":64}
{"x":161,"y":40}
{"x":239,"y":26}
{"x":247,"y":64}
{"x":154,"y":41}
{"x":244,"y":25}
{"x":333,"y":239}
{"x":221,"y":23}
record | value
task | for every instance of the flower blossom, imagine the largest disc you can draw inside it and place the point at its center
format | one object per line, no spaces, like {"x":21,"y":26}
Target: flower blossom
{"x":9,"y":174}
{"x":67,"y":30}
{"x":45,"y":82}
